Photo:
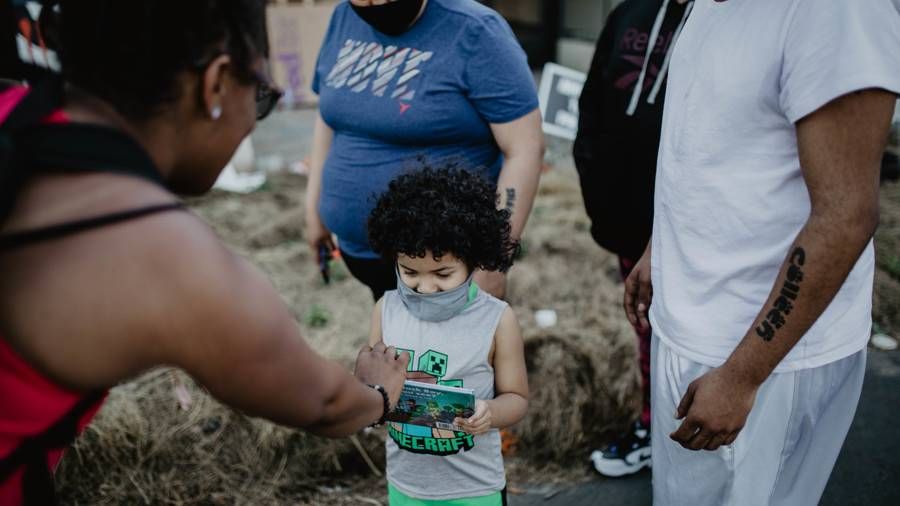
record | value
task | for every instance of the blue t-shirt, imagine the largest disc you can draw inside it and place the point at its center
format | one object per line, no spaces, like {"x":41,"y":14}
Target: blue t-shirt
{"x":430,"y":92}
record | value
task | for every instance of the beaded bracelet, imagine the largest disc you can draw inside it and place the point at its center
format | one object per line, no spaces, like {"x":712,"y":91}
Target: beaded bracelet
{"x":386,"y":406}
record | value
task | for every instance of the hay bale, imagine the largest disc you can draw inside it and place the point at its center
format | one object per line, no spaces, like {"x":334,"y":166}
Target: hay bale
{"x":287,"y":227}
{"x":576,"y":396}
{"x":143,"y":448}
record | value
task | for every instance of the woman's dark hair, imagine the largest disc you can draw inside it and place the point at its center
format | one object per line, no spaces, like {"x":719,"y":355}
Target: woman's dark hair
{"x":131,"y":53}
{"x":444,"y":210}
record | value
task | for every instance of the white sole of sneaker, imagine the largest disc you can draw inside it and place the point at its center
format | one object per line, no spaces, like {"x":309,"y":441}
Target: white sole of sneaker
{"x":633,"y":462}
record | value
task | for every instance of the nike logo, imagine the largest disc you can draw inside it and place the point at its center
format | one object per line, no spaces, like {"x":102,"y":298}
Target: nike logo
{"x":637,"y":457}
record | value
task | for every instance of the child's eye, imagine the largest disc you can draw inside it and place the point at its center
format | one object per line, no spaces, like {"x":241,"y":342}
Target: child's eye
{"x":443,"y":276}
{"x":410,"y":274}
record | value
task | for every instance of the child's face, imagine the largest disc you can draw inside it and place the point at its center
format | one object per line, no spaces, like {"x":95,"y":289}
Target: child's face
{"x":427,"y":275}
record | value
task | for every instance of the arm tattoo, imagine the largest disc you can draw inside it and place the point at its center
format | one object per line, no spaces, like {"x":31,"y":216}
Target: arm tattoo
{"x":510,"y":199}
{"x":784,"y":304}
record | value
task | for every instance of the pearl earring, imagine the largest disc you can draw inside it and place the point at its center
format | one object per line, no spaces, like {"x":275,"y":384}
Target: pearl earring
{"x":216,"y":112}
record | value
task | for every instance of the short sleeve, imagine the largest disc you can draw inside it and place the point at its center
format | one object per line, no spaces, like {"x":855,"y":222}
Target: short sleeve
{"x":327,"y":43}
{"x":497,"y":78}
{"x":834,"y":47}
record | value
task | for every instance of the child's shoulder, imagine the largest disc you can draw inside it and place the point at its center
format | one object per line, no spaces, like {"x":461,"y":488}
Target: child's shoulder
{"x":387,"y":297}
{"x":502,"y":311}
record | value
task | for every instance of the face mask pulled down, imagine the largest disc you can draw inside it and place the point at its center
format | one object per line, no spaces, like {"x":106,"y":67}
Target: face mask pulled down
{"x":435,"y":307}
{"x":392,"y":18}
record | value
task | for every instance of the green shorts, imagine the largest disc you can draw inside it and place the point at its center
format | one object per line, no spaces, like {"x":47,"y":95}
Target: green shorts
{"x":398,"y":498}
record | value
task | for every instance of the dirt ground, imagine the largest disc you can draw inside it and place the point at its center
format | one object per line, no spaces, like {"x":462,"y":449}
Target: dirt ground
{"x":161,"y":440}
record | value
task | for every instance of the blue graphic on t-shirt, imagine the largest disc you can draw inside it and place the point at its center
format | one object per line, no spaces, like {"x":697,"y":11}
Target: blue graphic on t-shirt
{"x":432,"y":91}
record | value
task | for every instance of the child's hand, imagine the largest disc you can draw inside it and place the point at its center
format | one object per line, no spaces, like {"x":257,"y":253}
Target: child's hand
{"x":479,"y":422}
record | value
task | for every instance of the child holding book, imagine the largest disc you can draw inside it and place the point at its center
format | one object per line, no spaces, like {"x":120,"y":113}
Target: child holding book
{"x":438,"y":227}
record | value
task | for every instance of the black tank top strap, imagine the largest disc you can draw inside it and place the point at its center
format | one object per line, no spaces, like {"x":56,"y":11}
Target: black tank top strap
{"x":29,"y":148}
{"x":27,"y":237}
{"x":79,"y":148}
{"x":37,"y":480}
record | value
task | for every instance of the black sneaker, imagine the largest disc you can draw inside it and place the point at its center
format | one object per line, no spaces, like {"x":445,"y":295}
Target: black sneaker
{"x":627,"y":455}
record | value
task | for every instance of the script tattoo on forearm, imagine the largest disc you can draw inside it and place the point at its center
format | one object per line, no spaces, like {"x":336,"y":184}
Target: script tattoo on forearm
{"x":784,"y":304}
{"x":510,"y":199}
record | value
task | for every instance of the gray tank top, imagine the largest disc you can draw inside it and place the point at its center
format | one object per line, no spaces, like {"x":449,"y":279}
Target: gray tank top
{"x":439,"y":464}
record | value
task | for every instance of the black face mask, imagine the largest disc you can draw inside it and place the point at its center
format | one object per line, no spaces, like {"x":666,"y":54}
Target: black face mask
{"x":392,"y":18}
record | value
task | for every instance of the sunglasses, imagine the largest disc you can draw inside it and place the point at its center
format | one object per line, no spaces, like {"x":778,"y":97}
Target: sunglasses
{"x":267,"y":95}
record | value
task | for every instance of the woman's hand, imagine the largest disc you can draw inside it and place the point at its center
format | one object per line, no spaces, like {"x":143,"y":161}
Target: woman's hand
{"x":383,"y":365}
{"x":317,"y":235}
{"x":479,"y":422}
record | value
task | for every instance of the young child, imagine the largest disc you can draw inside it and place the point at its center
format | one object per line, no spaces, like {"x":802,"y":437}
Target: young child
{"x":438,"y":227}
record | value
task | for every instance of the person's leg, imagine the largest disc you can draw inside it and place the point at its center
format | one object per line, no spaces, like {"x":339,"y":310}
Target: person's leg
{"x":682,"y":477}
{"x":625,"y":266}
{"x":630,"y":451}
{"x":375,"y":273}
{"x":782,"y":456}
{"x":644,"y":360}
{"x":824,"y":408}
{"x":739,"y":474}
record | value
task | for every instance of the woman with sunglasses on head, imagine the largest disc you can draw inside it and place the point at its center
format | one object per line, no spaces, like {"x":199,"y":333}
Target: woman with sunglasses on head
{"x":402,"y":81}
{"x":103,"y":272}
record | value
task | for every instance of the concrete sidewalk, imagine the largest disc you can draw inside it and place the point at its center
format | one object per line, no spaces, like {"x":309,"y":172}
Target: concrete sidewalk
{"x":867,"y":471}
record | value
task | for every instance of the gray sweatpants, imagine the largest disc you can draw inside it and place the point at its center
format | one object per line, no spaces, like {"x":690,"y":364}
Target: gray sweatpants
{"x":785,"y":452}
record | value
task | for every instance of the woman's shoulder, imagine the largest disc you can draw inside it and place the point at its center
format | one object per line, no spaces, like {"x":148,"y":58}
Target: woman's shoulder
{"x":341,"y":17}
{"x":105,"y":285}
{"x":482,"y":28}
{"x":108,"y":213}
{"x":340,"y":11}
{"x":468,"y":9}
{"x":476,"y":19}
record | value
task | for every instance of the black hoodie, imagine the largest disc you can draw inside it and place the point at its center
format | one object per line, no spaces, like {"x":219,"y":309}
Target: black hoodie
{"x":615,"y":152}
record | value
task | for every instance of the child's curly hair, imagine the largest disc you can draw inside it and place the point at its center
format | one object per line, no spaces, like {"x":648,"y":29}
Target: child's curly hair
{"x":445,"y":210}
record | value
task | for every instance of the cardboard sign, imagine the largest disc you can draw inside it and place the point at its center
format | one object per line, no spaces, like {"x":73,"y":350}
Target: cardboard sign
{"x":558,"y":95}
{"x":295,"y":36}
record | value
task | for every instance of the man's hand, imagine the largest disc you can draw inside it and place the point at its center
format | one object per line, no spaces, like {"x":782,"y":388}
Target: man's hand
{"x":492,"y":282}
{"x":639,"y":293}
{"x":479,"y":422}
{"x":382,"y":365}
{"x":715,"y":409}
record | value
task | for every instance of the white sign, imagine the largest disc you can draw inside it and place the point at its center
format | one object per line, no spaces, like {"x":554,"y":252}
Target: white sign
{"x":558,"y":95}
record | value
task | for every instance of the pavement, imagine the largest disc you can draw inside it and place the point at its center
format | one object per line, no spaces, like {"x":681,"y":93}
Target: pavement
{"x":867,"y":471}
{"x":285,"y":134}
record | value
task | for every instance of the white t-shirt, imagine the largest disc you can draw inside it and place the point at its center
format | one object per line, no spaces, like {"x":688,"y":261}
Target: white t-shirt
{"x":730,"y":196}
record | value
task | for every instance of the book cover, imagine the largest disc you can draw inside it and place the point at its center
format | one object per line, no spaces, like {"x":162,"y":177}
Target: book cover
{"x":431,"y":405}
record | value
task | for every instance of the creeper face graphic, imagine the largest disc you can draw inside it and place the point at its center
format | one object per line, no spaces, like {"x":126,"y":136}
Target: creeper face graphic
{"x":434,"y":363}
{"x":432,"y":366}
